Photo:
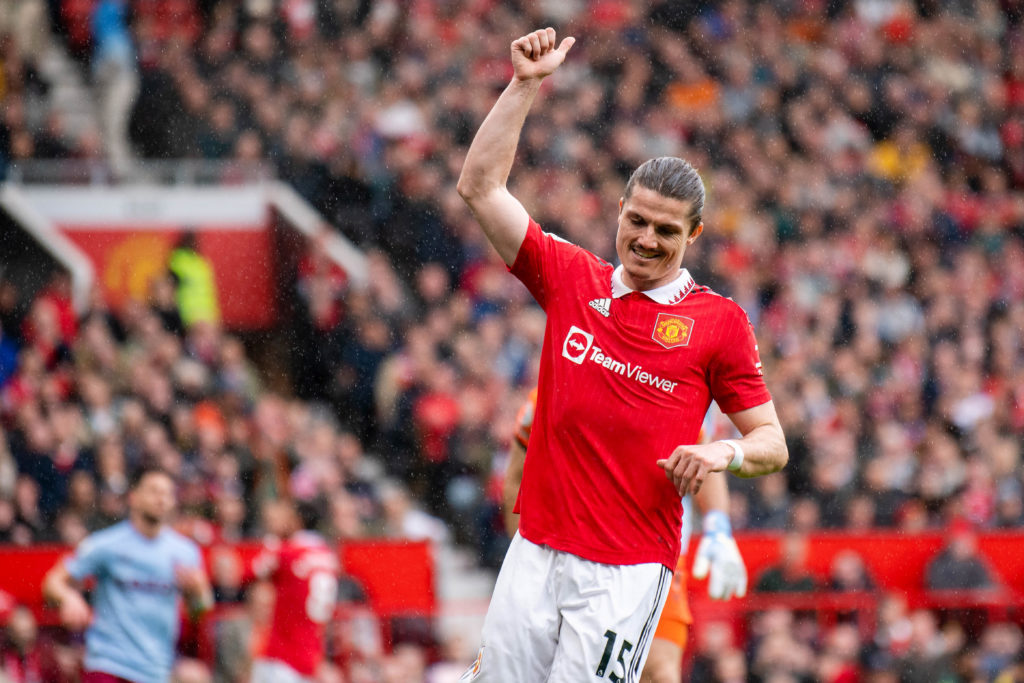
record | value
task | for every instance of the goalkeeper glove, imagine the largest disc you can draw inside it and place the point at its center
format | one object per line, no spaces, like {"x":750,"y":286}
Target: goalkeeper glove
{"x":718,"y":553}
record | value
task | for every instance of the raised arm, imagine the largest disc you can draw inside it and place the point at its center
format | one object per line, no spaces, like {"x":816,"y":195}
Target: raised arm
{"x":489,"y":160}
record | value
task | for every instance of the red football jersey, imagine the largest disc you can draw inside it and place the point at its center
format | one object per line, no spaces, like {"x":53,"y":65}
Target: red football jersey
{"x":625,"y":377}
{"x":304,"y":571}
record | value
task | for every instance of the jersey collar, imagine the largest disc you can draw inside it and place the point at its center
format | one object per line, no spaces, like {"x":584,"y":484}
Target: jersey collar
{"x":669,"y":294}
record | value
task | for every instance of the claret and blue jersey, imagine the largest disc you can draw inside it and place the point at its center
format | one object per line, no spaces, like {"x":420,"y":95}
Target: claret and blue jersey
{"x":625,"y":378}
{"x":136,"y":601}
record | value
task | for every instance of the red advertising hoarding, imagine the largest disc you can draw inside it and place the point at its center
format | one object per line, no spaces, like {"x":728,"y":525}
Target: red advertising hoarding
{"x":129,"y":233}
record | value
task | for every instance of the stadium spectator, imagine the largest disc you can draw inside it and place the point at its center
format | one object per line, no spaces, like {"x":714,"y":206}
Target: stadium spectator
{"x":929,"y":653}
{"x":790,"y":575}
{"x":239,"y":635}
{"x":116,"y":76}
{"x":196,"y":290}
{"x":25,"y":656}
{"x":959,"y":566}
{"x":848,"y":573}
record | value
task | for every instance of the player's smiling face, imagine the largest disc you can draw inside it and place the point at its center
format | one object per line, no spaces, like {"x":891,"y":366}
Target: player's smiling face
{"x":652,"y":237}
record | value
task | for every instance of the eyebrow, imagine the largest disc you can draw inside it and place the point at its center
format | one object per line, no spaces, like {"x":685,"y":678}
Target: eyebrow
{"x":671,"y":226}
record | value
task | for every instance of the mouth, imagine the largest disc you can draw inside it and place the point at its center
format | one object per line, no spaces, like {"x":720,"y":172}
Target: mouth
{"x":644,"y":254}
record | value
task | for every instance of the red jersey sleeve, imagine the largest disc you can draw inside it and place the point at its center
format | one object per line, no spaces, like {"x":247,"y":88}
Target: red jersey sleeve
{"x":736,"y":379}
{"x":541,"y":258}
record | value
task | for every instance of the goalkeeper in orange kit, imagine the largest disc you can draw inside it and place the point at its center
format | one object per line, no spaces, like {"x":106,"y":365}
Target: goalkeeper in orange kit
{"x":716,"y":554}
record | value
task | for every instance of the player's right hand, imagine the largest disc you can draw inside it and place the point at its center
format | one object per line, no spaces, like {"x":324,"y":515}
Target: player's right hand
{"x":688,"y":466}
{"x":535,"y":55}
{"x":74,"y":611}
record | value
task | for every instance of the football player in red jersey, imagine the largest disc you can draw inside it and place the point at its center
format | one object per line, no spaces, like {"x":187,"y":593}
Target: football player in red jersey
{"x":716,"y":554}
{"x":304,"y":572}
{"x":633,"y":356}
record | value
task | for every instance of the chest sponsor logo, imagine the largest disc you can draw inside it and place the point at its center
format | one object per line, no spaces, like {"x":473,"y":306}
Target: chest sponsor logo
{"x":579,"y":346}
{"x":576,"y":344}
{"x":672,"y":330}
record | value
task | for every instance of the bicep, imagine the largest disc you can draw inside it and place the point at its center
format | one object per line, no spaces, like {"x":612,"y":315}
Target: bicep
{"x":503,"y":219}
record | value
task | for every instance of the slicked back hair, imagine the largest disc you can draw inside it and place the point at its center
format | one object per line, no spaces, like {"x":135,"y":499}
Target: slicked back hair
{"x":674,"y":178}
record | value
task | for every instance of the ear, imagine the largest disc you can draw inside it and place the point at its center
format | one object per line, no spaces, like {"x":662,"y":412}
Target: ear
{"x":621,"y":201}
{"x":695,"y":234}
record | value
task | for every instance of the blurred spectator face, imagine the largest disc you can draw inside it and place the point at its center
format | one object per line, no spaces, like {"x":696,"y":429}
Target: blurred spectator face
{"x":848,"y":571}
{"x":71,"y":529}
{"x":22,"y":629}
{"x":406,"y":663}
{"x":230,"y":510}
{"x":805,"y":514}
{"x":731,"y":667}
{"x":248,"y":147}
{"x":82,"y":491}
{"x":112,"y":504}
{"x":794,"y":550}
{"x":191,"y":671}
{"x":924,"y":630}
{"x":860,"y":513}
{"x":964,"y":544}
{"x":715,"y":637}
{"x":7,"y":513}
{"x":432,"y":283}
{"x":346,"y":521}
{"x":226,"y":569}
{"x":26,"y":496}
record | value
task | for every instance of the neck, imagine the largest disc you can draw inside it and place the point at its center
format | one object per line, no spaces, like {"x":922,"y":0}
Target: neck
{"x":145,"y":527}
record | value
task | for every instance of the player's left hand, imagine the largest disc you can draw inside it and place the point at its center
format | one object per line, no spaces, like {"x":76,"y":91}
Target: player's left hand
{"x":718,"y":553}
{"x":689,"y":466}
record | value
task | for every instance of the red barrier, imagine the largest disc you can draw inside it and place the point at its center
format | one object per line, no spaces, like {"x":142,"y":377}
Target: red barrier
{"x":398,"y":576}
{"x":896,"y":561}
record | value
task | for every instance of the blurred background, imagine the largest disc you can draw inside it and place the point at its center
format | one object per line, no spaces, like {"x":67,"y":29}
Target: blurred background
{"x":230,"y":243}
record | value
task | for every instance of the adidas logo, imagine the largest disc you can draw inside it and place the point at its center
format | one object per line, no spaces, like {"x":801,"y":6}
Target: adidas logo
{"x":602,"y":306}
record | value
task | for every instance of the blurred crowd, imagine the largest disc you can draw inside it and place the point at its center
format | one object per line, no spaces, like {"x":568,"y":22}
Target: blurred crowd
{"x":905,"y":646}
{"x":864,"y":162}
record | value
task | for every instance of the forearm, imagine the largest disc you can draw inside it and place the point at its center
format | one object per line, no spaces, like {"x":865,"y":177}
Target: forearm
{"x":764,"y":451}
{"x":490,"y":156}
{"x":57,"y":586}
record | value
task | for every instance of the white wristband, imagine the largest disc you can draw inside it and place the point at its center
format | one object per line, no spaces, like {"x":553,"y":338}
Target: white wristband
{"x":737,"y":455}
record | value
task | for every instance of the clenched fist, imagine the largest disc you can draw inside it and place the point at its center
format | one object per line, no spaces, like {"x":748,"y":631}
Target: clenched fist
{"x":535,"y":55}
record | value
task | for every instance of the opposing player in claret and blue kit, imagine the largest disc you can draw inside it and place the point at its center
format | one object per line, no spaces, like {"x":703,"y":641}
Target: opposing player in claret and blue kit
{"x":142,"y":569}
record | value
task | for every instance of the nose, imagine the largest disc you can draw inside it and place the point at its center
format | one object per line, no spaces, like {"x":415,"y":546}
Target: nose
{"x":647,"y":237}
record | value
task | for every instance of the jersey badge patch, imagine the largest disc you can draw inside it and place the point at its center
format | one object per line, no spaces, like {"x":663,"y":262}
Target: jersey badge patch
{"x":602,"y":306}
{"x":672,"y":330}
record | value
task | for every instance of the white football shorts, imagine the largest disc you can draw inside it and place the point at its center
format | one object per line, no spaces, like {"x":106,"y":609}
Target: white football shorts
{"x":275,"y":671}
{"x":558,"y":618}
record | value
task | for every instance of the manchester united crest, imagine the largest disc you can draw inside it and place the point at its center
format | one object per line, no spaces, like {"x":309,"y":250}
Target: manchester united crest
{"x":672,"y":330}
